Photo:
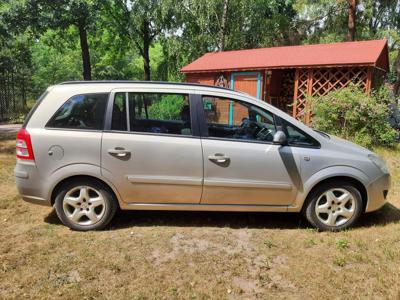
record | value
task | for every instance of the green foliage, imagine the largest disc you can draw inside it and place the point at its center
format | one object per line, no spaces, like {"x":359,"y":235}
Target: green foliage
{"x":168,"y":109}
{"x":351,"y":114}
{"x":270,"y":243}
{"x":342,"y":244}
{"x":54,"y":61}
{"x":309,"y":243}
{"x":340,"y":261}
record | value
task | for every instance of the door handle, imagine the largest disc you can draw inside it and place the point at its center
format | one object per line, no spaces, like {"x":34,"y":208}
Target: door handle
{"x":119,"y":152}
{"x":219,"y":158}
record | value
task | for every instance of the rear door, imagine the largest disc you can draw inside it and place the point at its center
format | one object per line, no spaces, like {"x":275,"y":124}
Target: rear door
{"x":149,"y":150}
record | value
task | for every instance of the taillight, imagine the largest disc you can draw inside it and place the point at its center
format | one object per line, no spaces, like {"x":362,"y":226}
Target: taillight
{"x":24,"y":145}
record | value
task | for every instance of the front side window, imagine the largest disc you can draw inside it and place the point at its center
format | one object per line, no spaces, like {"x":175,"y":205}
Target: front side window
{"x":296,"y":137}
{"x":152,"y":112}
{"x":81,"y":112}
{"x":233,"y":119}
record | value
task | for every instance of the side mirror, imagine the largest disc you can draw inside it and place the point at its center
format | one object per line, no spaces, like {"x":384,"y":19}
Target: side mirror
{"x":280,"y":138}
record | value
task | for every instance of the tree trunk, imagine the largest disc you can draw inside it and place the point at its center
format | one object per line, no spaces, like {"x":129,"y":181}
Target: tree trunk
{"x":87,"y":69}
{"x":146,"y":49}
{"x":352,"y":20}
{"x":396,"y":88}
{"x":221,"y":45}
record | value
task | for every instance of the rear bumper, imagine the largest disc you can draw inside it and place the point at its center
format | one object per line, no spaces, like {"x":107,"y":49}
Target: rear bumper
{"x":29,"y":183}
{"x":377,"y":192}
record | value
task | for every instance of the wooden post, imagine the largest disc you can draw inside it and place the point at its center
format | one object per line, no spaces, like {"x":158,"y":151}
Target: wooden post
{"x":369,"y":81}
{"x":307,"y":117}
{"x":296,"y":92}
{"x":266,"y":80}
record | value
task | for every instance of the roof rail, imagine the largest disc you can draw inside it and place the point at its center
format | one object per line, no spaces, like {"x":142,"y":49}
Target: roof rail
{"x":139,"y":81}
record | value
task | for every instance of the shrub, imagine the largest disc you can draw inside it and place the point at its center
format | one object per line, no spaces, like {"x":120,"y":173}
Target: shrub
{"x":167,"y":109}
{"x":353,"y":115}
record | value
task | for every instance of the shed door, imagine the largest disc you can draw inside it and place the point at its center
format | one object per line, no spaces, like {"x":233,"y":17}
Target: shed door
{"x":249,"y":83}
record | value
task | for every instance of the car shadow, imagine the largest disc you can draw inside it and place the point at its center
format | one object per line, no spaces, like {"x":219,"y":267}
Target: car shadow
{"x":386,"y":215}
{"x":235,"y":220}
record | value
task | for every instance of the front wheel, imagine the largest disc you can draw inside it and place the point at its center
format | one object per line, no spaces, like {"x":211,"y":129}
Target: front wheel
{"x":85,"y":205}
{"x":334,"y":206}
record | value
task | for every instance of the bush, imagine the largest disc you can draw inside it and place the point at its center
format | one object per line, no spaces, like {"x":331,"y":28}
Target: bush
{"x":169,"y":108}
{"x":353,"y":115}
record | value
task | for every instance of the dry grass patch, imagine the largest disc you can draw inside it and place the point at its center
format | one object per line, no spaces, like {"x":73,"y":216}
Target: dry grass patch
{"x":198,"y":255}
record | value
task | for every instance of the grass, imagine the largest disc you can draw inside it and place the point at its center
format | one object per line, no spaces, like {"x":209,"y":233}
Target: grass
{"x":195,"y":255}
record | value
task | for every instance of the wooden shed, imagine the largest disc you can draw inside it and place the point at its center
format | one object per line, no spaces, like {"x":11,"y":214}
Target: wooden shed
{"x":286,"y":76}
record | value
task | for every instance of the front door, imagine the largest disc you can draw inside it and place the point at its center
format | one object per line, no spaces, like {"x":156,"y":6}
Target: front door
{"x":149,"y":152}
{"x":241,"y":164}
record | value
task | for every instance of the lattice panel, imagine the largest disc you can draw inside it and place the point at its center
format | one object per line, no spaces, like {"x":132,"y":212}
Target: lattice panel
{"x":326,"y":80}
{"x":301,"y":94}
{"x":319,"y":82}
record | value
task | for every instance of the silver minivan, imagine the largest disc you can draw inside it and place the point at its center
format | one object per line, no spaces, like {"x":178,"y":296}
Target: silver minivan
{"x":89,"y":148}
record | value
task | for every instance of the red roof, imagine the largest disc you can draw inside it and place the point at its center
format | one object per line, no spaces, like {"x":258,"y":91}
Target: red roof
{"x":366,"y":53}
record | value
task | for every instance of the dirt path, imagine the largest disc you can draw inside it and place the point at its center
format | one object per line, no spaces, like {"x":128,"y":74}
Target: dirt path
{"x":9,"y":128}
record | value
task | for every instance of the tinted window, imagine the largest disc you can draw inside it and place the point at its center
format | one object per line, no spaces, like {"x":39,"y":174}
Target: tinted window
{"x":119,"y":121}
{"x":296,"y":137}
{"x":151,"y":112}
{"x":233,"y":119}
{"x":81,"y":112}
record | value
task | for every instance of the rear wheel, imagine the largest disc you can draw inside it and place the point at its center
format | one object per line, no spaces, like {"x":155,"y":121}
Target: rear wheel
{"x":334,"y":206}
{"x":85,"y":205}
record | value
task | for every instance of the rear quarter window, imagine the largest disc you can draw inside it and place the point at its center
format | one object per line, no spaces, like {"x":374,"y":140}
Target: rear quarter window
{"x":33,"y":109}
{"x":86,"y":112}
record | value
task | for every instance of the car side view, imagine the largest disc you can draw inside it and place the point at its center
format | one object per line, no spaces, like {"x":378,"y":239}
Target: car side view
{"x":89,"y":148}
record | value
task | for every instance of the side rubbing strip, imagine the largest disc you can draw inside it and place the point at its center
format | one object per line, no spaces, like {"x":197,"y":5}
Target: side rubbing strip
{"x":247,"y":184}
{"x":177,"y":180}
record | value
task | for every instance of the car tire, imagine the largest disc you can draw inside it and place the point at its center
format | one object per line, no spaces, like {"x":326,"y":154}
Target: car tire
{"x":85,"y":204}
{"x":334,"y":206}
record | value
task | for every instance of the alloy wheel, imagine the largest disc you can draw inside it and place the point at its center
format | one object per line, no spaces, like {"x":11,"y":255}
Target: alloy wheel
{"x":335,"y":207}
{"x":84,"y":205}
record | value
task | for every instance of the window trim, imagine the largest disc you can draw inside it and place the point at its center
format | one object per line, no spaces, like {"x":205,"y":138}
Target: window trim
{"x":109,"y":111}
{"x":80,"y":129}
{"x":151,"y":134}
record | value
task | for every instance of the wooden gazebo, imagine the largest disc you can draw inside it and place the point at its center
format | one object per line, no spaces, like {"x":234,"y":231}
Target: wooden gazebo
{"x":287,"y":76}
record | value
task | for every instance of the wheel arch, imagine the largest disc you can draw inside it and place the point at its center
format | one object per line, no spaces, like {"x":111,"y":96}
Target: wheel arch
{"x":63,"y":181}
{"x":344,"y":178}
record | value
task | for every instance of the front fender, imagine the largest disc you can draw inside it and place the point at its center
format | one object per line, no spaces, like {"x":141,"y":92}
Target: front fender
{"x":326,"y":173}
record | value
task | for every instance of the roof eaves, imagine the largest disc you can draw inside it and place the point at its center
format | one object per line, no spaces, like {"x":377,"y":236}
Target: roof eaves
{"x":366,"y":64}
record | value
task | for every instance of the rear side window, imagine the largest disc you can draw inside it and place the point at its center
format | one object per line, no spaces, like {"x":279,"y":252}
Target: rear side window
{"x":152,"y":112}
{"x":81,"y":112}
